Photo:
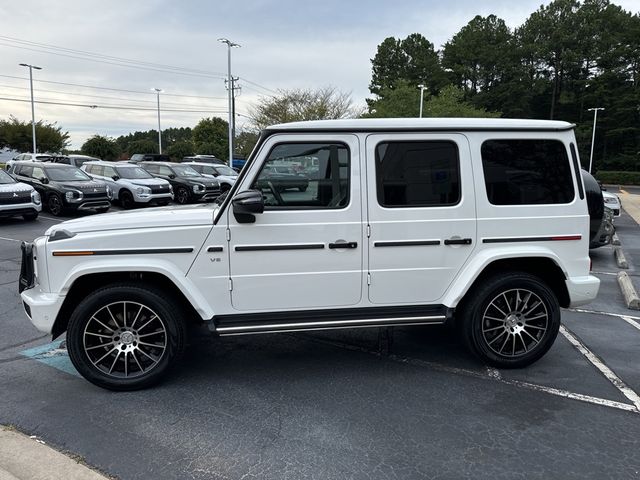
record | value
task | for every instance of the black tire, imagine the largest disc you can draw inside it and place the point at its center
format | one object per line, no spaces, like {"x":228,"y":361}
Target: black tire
{"x":99,"y":325}
{"x":182,"y":196}
{"x":55,"y":204}
{"x":30,"y":217}
{"x":126,"y":199}
{"x":102,"y":210}
{"x":499,"y":315}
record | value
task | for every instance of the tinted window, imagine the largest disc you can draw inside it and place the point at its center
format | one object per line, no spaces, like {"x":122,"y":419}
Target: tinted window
{"x":317,"y":176}
{"x":70,"y":174}
{"x":109,"y":172}
{"x":151,"y":168}
{"x":527,"y":172}
{"x":37,"y":173}
{"x":24,"y":170}
{"x":185,"y":171}
{"x":97,"y":170}
{"x":133,"y":172}
{"x":417,"y":174}
{"x":163,"y":170}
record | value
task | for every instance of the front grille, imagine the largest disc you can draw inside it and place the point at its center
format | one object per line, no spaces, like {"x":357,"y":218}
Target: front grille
{"x":15,"y":201}
{"x":95,"y":196}
{"x":212,"y":188}
{"x":160,"y":189}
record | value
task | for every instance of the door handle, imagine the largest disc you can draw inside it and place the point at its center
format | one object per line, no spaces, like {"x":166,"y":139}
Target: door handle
{"x":343,"y":245}
{"x":457,"y":241}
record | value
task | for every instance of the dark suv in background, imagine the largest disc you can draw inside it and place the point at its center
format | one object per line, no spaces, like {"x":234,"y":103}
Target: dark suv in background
{"x":188,"y":185}
{"x":63,"y":187}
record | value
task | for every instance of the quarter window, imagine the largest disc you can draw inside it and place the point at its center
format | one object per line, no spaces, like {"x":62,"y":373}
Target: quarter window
{"x":37,"y":173}
{"x":306,"y":176}
{"x":417,"y":174}
{"x":527,"y":172}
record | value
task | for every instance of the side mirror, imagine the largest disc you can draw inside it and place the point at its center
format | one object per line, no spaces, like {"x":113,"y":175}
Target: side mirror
{"x":172,"y":176}
{"x":115,"y":178}
{"x":247,"y":204}
{"x":44,"y":180}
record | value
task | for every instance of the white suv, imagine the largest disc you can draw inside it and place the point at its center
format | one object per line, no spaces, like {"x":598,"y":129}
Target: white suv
{"x":404,"y":222}
{"x":131,"y":184}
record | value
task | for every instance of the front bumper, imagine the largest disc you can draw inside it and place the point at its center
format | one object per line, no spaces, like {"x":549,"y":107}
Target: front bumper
{"x":19,"y":209}
{"x":153,"y":197}
{"x":582,"y":290}
{"x":42,"y":308}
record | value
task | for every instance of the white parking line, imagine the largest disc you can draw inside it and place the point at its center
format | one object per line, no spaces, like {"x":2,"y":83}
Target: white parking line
{"x":599,"y":364}
{"x":52,"y":219}
{"x":631,"y":321}
{"x":596,"y":312}
{"x":10,"y":239}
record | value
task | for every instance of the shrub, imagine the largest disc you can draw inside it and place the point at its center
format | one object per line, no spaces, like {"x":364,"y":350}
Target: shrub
{"x":618,"y":178}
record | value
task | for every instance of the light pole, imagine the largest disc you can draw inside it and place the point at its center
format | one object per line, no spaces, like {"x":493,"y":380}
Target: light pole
{"x":422,"y":89}
{"x":230,"y":44}
{"x":158,"y":92}
{"x":593,"y":135}
{"x":33,"y":110}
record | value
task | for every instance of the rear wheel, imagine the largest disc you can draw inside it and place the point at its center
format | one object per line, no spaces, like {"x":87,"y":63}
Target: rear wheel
{"x":511,"y":320}
{"x":125,"y":337}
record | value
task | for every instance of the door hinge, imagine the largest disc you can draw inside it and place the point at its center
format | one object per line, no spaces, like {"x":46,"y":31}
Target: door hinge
{"x":368,"y":231}
{"x":368,"y":279}
{"x":228,"y":235}
{"x":230,"y":284}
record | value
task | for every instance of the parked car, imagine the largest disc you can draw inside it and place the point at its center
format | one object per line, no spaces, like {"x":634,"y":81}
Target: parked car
{"x":188,"y":185}
{"x":17,"y":198}
{"x":131,"y":184}
{"x":612,"y":201}
{"x":600,"y":216}
{"x":75,"y":160}
{"x":28,"y":157}
{"x":63,"y":187}
{"x":225,"y":175}
{"x":149,"y":157}
{"x":282,"y":178}
{"x":480,"y":222}
{"x":204,"y":159}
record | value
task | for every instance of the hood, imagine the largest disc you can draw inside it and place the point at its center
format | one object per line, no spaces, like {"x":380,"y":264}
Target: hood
{"x":202,"y":214}
{"x":147,"y":181}
{"x":201,"y":180}
{"x":85,"y":186}
{"x":15,"y":187}
{"x":227,"y":178}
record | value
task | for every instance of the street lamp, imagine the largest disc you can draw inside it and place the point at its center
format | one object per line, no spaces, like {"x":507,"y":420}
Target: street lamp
{"x":593,"y":135}
{"x":33,"y":111}
{"x":230,"y":44}
{"x":422,"y":89}
{"x":158,"y":92}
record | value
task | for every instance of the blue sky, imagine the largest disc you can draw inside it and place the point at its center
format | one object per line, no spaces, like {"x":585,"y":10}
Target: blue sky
{"x":285,"y":44}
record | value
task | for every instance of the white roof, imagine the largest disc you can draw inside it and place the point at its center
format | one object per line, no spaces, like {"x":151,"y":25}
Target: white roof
{"x":426,"y":124}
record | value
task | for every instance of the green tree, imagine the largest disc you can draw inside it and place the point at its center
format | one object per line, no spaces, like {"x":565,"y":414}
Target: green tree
{"x":101,"y":147}
{"x":180,"y":149}
{"x":245,"y":142}
{"x":401,"y":101}
{"x":18,"y":135}
{"x":412,"y":60}
{"x":210,"y":137}
{"x":450,"y":103}
{"x":142,"y":146}
{"x":300,"y":105}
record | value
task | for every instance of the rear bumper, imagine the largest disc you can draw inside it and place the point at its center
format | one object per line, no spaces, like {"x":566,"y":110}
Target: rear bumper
{"x":582,"y":290}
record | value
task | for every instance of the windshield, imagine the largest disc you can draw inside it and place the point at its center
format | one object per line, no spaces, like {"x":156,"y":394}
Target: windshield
{"x":185,"y":171}
{"x":224,"y":170}
{"x":5,"y":178}
{"x":133,"y":172}
{"x":70,"y":174}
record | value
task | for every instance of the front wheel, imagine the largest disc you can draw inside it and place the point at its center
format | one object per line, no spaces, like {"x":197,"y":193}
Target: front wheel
{"x":511,"y":320}
{"x":126,"y":200}
{"x":54,"y":204}
{"x":125,"y":337}
{"x":182,"y":196}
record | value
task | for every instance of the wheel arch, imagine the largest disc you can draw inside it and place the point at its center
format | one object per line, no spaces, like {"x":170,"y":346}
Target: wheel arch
{"x":87,"y":283}
{"x":544,"y":267}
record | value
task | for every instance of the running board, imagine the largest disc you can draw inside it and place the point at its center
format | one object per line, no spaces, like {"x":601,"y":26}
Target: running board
{"x":274,"y":322}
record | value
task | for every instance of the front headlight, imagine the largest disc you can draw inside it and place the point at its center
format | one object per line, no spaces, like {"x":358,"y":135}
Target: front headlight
{"x":73,"y":195}
{"x":143,"y":190}
{"x":198,"y":188}
{"x":109,"y":192}
{"x":35,"y":197}
{"x":610,"y":200}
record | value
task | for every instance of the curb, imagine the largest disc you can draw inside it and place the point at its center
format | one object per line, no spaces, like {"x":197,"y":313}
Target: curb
{"x":615,"y":240}
{"x":621,"y":260}
{"x":628,"y":291}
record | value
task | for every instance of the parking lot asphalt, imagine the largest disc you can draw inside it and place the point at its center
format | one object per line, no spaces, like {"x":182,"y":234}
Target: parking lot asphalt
{"x":342,"y":404}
